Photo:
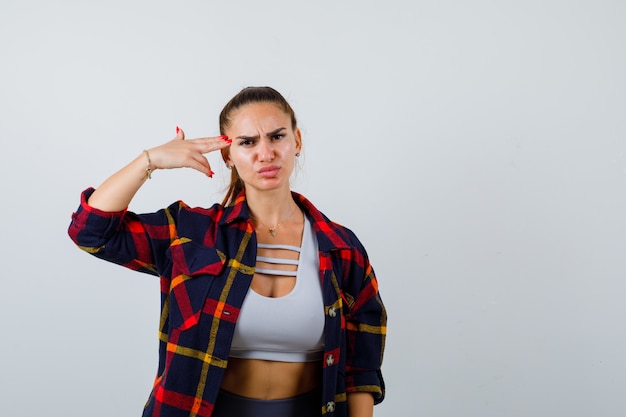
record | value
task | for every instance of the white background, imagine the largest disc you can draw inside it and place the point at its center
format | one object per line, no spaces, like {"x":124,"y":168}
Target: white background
{"x":477,"y":148}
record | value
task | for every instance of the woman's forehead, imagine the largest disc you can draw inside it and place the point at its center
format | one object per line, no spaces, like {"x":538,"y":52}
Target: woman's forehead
{"x":259,"y":115}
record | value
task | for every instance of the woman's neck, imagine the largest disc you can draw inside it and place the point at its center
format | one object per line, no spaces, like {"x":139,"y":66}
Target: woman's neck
{"x":270,"y":207}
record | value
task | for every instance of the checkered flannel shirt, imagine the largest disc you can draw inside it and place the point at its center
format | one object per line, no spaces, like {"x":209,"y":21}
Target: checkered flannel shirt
{"x":205,"y":259}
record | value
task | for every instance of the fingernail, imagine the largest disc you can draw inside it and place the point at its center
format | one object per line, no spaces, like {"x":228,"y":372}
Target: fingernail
{"x":177,"y":130}
{"x":224,"y":137}
{"x":211,"y":173}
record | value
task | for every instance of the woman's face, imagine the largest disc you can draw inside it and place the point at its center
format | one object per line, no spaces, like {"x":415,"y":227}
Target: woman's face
{"x":264,"y":146}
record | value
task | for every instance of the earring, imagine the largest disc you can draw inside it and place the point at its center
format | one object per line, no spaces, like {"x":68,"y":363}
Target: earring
{"x":298,"y":154}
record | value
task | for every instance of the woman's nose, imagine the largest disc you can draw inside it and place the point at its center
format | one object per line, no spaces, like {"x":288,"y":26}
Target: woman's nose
{"x":266,"y":152}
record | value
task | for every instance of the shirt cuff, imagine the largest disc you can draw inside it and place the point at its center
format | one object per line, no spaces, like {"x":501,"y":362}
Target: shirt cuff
{"x":91,"y":227}
{"x":367,"y":381}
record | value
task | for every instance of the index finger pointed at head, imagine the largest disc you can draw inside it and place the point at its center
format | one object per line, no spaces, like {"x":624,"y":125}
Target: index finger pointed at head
{"x":221,"y":141}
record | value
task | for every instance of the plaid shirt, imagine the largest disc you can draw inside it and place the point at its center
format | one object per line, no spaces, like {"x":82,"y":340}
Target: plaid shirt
{"x":205,"y":259}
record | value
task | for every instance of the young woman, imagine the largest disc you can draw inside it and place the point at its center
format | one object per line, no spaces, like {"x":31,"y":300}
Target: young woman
{"x":267,"y":307}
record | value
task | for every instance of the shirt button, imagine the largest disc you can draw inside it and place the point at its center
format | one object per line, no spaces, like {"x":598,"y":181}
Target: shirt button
{"x":330,"y":406}
{"x":330,"y":359}
{"x":332,"y":312}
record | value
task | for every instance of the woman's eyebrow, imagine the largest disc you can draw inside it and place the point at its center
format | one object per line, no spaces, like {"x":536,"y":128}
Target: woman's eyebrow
{"x":275,"y":131}
{"x":244,"y":137}
{"x":268,"y":134}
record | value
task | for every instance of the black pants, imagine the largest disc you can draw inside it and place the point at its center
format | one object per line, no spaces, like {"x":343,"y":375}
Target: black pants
{"x":231,"y":405}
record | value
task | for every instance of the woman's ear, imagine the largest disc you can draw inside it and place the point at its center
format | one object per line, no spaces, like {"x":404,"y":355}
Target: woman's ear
{"x":226,"y":156}
{"x":298,"y":136}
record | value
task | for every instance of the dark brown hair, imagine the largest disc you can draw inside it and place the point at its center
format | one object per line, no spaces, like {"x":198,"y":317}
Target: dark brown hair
{"x":249,"y":95}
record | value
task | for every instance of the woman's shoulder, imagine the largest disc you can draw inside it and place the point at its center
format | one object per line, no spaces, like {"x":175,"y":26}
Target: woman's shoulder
{"x":337,"y":234}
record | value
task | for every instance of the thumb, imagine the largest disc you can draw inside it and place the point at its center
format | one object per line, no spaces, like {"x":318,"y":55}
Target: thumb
{"x":180,"y":135}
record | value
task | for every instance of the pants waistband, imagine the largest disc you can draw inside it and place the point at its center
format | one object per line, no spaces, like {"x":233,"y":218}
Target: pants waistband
{"x":304,"y":405}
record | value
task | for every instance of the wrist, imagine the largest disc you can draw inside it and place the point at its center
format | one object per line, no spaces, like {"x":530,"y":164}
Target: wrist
{"x":149,"y":167}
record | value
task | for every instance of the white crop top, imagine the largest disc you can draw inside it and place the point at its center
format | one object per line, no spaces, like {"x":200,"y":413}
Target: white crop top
{"x":288,"y":328}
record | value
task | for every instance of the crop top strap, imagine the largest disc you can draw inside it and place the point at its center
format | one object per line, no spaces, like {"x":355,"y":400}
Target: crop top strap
{"x":272,"y":246}
{"x":278,"y":272}
{"x":278,"y":261}
{"x":281,"y":261}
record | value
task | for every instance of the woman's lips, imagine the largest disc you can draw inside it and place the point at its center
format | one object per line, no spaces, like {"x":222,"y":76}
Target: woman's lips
{"x":269,"y":171}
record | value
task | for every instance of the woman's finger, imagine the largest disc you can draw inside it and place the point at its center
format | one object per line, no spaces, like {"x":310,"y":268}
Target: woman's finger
{"x":201,"y":163}
{"x":180,"y":135}
{"x":210,"y":144}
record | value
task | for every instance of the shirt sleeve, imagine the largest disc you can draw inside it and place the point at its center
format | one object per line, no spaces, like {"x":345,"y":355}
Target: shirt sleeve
{"x":366,"y":327}
{"x":135,"y":241}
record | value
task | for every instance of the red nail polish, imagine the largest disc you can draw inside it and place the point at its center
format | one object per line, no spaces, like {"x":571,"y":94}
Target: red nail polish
{"x":177,"y":130}
{"x":211,"y":173}
{"x":224,"y":137}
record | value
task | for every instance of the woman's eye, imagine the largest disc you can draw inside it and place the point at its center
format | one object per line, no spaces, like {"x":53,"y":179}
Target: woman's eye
{"x":277,"y":137}
{"x":245,"y":142}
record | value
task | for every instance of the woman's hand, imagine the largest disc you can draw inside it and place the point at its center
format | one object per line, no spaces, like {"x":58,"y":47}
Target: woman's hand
{"x":181,"y":153}
{"x":117,"y":191}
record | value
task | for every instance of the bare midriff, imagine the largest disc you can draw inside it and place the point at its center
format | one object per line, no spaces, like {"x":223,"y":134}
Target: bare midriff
{"x":270,"y":380}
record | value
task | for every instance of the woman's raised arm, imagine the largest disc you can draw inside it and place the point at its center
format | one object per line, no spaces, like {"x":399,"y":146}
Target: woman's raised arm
{"x":116,"y":192}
